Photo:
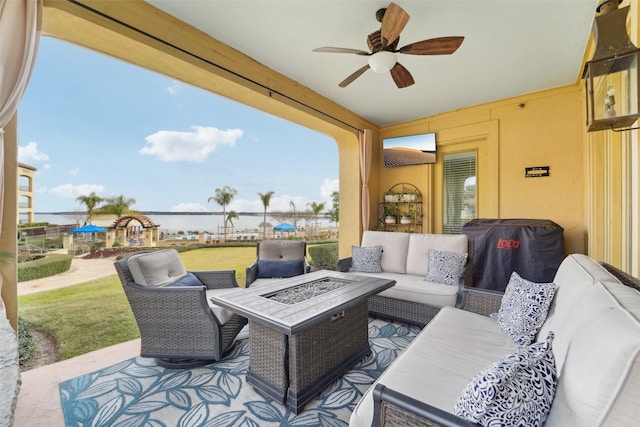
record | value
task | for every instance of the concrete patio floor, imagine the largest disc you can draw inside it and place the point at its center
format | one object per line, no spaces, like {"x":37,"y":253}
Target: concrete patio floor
{"x":39,"y":398}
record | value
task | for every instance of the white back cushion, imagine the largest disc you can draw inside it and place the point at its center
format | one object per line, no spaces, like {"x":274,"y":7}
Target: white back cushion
{"x":156,"y":268}
{"x":420,"y":244}
{"x":394,"y":249}
{"x":596,"y":321}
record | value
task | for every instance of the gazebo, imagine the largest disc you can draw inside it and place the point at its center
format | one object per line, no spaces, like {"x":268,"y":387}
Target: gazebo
{"x":123,"y":231}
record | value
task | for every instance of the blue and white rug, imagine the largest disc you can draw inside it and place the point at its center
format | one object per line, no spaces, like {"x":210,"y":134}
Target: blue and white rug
{"x":137,"y":392}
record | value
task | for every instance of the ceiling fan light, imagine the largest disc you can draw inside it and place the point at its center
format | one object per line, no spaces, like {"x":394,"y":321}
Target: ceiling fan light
{"x":383,"y":61}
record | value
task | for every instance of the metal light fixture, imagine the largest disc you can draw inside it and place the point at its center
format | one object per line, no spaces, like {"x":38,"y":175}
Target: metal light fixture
{"x":612,"y":75}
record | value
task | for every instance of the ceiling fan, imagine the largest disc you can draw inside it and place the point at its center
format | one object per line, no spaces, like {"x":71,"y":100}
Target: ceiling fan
{"x":383,"y":47}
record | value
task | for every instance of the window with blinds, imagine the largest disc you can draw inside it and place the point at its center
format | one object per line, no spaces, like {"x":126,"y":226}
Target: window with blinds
{"x":459,"y":193}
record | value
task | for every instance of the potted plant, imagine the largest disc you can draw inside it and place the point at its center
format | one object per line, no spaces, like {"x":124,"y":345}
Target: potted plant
{"x":390,"y":214}
{"x":406,"y":219}
{"x":407,"y":216}
{"x":392,"y":197}
{"x":409,"y":195}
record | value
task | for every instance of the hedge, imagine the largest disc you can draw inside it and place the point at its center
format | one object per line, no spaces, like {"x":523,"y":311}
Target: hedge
{"x":324,"y":257}
{"x":46,"y":266}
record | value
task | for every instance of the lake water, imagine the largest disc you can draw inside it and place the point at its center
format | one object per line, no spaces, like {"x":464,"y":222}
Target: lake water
{"x":172,"y":223}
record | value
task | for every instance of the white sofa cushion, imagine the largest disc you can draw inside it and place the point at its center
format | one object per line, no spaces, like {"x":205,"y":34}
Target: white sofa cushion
{"x":440,"y":357}
{"x":394,"y":249}
{"x":420,"y":244}
{"x":596,"y":322}
{"x":157,"y":268}
{"x":416,"y":289}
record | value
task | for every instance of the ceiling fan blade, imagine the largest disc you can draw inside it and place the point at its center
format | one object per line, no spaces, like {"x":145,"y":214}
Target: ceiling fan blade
{"x":341,"y":50}
{"x":401,"y":76}
{"x":374,"y":41}
{"x":353,"y":76}
{"x":393,"y":22}
{"x":437,"y":46}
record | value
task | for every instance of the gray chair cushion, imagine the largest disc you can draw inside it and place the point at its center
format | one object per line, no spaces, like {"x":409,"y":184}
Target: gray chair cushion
{"x":281,"y":250}
{"x":158,"y":268}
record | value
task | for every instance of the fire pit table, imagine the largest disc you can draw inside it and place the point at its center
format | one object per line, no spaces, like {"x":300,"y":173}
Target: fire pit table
{"x":304,"y":331}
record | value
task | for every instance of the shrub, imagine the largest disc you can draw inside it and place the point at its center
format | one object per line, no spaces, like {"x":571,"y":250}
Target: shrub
{"x":324,"y":257}
{"x":44,"y":267}
{"x":26,"y":343}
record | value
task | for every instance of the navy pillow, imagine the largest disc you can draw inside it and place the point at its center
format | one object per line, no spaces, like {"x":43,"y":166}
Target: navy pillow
{"x":280,"y":269}
{"x":189,"y":280}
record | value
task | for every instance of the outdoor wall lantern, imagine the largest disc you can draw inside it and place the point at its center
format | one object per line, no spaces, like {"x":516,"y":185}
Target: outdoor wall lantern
{"x":612,"y":75}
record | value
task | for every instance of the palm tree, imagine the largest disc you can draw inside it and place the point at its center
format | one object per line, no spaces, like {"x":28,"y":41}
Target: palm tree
{"x":232,"y":215}
{"x":91,"y":201}
{"x":266,"y":199}
{"x":223,"y":197}
{"x":293,"y":213}
{"x":316,"y":208}
{"x":118,"y":205}
{"x":334,"y":212}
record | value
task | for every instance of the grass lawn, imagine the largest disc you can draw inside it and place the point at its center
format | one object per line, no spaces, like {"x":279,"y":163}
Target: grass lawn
{"x":96,"y":314}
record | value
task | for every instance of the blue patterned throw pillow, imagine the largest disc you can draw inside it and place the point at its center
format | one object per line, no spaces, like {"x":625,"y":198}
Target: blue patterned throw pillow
{"x":366,"y":260}
{"x":524,"y":308}
{"x":517,"y":390}
{"x":445,"y":267}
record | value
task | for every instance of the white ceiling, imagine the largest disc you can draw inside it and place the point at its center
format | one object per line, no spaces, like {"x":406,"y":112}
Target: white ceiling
{"x":511,"y":47}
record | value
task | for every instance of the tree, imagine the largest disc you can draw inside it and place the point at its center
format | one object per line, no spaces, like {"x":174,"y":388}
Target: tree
{"x":223,"y":197}
{"x":232,"y":215}
{"x":316,"y":208}
{"x":334,"y":212}
{"x":118,"y":205}
{"x":266,"y":199}
{"x":293,"y":213}
{"x":90,"y":201}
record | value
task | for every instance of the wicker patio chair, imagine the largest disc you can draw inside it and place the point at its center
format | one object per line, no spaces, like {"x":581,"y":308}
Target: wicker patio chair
{"x":179,"y":326}
{"x":290,"y":254}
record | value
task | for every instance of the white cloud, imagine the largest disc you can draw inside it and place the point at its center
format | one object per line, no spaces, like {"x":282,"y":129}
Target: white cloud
{"x":30,"y":154}
{"x":175,"y":146}
{"x":328,"y":187}
{"x":74,"y":172}
{"x":73,"y":191}
{"x":242,"y":205}
{"x":174,"y":88}
{"x":189,"y":207}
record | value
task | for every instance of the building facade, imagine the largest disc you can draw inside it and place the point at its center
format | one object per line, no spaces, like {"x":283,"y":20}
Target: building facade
{"x":26,"y":184}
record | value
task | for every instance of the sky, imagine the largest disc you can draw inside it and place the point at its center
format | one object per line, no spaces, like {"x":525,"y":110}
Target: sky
{"x":89,"y":122}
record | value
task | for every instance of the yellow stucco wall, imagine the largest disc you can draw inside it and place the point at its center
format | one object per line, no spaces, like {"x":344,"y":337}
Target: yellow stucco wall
{"x":542,"y":129}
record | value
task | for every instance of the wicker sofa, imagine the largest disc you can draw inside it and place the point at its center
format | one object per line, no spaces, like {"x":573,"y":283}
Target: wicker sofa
{"x":596,"y":322}
{"x":405,"y":260}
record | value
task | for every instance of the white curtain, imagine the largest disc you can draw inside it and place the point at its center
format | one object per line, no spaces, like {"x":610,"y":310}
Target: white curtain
{"x":365,"y":171}
{"x":20,"y":28}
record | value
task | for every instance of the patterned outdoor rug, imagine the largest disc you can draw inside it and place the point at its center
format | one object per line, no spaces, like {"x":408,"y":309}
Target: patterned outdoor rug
{"x":137,"y":392}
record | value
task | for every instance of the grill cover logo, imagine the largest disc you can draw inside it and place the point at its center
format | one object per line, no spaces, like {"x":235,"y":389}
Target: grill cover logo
{"x":508,"y":244}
